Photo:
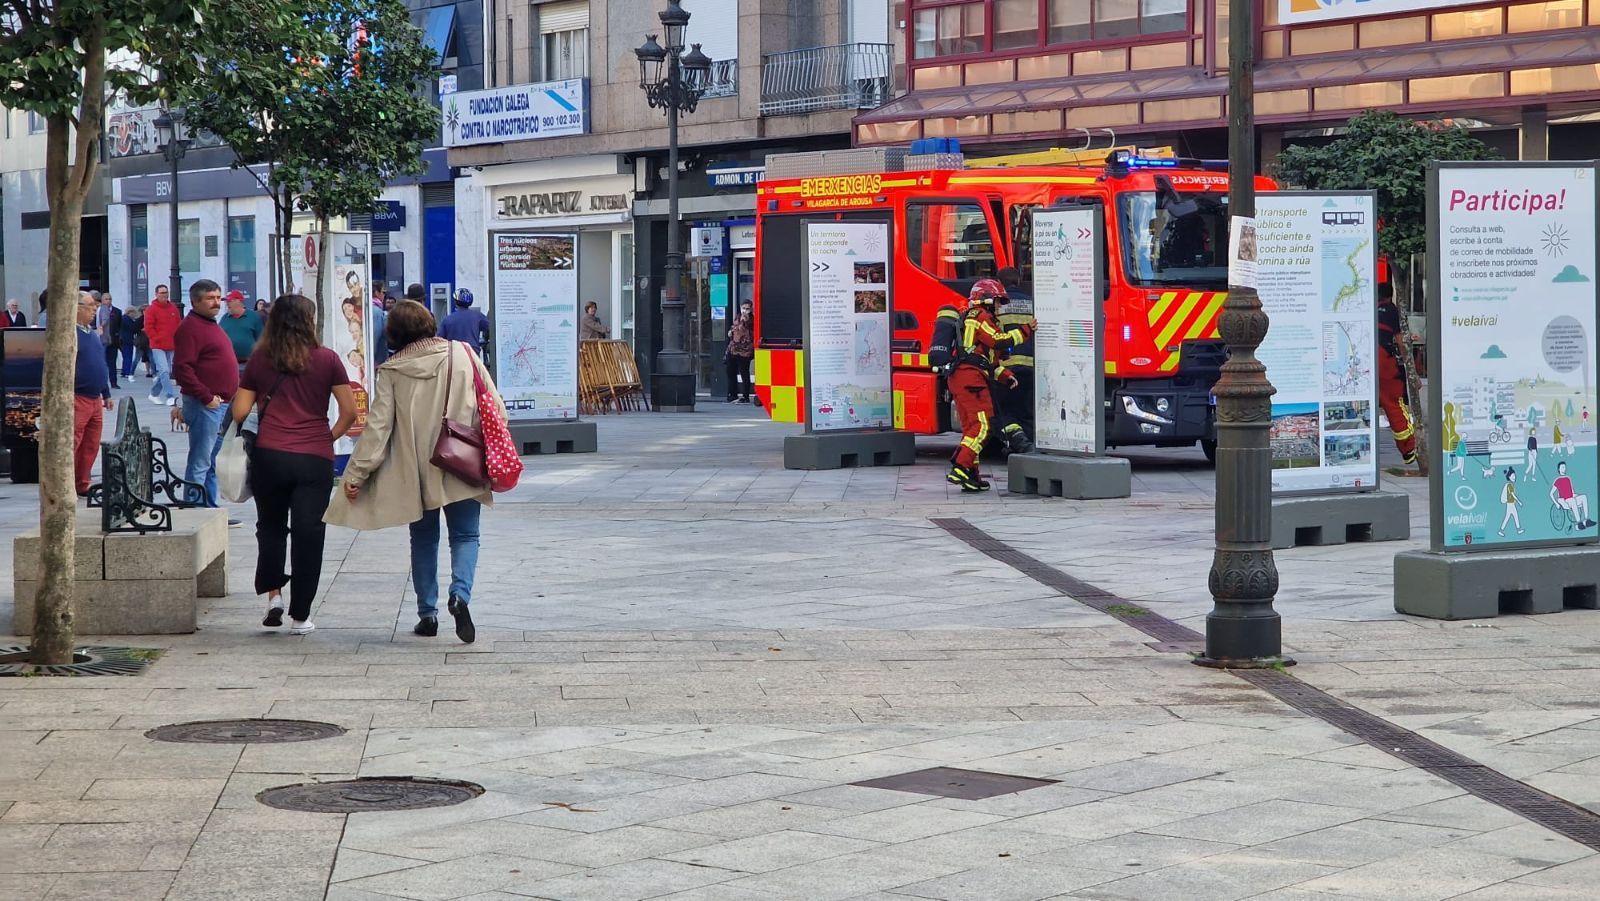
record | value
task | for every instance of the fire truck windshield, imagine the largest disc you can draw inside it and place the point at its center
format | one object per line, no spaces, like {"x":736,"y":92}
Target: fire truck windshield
{"x":1174,"y":238}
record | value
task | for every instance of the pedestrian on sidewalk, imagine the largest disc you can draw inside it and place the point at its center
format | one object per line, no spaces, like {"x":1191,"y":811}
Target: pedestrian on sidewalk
{"x":13,"y":317}
{"x":243,"y":327}
{"x":108,"y":324}
{"x":161,"y":321}
{"x":128,"y":335}
{"x":208,"y":374}
{"x":741,"y":350}
{"x":590,"y":328}
{"x":466,"y":324}
{"x":390,"y":481}
{"x":291,"y":378}
{"x":91,"y":389}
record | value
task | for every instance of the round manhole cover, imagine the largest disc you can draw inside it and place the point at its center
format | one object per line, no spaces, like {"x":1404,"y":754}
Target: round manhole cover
{"x":370,"y":794}
{"x":228,"y":732}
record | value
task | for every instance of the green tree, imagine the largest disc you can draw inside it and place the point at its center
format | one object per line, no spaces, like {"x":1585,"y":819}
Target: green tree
{"x":261,"y":72}
{"x":1389,"y":154}
{"x":56,"y":60}
{"x":347,"y":114}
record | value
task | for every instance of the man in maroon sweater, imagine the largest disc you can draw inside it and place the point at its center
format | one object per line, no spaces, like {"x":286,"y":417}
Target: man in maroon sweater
{"x":207,"y":373}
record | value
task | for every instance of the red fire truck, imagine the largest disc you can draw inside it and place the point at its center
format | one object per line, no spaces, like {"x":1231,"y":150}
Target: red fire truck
{"x":1166,"y":267}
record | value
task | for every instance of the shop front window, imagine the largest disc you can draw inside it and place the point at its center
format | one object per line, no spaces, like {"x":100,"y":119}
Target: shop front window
{"x":625,"y":292}
{"x":242,"y":255}
{"x":945,"y":28}
{"x":188,"y":246}
{"x":1075,"y":21}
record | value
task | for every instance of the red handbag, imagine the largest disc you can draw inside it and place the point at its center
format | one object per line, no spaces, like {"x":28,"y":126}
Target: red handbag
{"x":500,"y":452}
{"x":459,"y":449}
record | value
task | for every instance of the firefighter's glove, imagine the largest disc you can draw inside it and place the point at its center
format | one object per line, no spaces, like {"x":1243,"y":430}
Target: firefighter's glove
{"x":1006,"y":377}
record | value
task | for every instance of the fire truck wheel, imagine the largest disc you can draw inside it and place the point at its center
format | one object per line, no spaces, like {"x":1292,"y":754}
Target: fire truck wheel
{"x":1208,"y":446}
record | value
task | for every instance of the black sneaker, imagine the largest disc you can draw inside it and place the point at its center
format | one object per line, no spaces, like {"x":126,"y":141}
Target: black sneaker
{"x":274,"y":617}
{"x":427,"y":627}
{"x":464,"y":628}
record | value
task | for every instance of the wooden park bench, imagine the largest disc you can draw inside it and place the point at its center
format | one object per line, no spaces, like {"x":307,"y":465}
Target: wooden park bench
{"x":145,"y":554}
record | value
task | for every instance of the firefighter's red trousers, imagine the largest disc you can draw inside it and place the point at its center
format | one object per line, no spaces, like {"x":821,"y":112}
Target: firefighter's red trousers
{"x":975,"y":407}
{"x":1392,"y":397}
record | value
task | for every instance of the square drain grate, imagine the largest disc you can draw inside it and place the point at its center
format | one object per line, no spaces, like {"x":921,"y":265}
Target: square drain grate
{"x":949,"y":782}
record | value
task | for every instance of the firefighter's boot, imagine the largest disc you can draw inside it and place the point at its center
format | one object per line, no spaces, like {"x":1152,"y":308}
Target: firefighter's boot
{"x":968,"y":479}
{"x":1017,"y":441}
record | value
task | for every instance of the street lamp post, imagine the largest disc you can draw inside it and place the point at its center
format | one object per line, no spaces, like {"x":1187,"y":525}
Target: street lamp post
{"x":673,"y":82}
{"x":174,"y":140}
{"x":1242,"y":629}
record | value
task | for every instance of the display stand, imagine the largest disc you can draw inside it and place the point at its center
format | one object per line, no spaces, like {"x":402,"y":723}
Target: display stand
{"x":1512,"y":310}
{"x":1079,"y":478}
{"x":1470,"y":586}
{"x":576,"y":436}
{"x":535,"y":331}
{"x":1317,"y":520}
{"x":849,"y":393}
{"x":1069,"y":357}
{"x":1317,"y":278}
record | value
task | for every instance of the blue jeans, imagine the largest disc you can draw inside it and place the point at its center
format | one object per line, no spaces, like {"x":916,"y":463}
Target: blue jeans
{"x":205,"y":441}
{"x":163,"y":388}
{"x":461,"y":518}
{"x":128,"y":350}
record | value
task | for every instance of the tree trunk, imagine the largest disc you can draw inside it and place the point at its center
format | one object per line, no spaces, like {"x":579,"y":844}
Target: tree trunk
{"x":283,"y":207}
{"x":67,"y":185}
{"x":1419,"y":412}
{"x":322,"y":264}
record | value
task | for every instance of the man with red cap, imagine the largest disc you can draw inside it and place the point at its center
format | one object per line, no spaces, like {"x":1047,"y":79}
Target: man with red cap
{"x":243,"y":327}
{"x":983,"y":343}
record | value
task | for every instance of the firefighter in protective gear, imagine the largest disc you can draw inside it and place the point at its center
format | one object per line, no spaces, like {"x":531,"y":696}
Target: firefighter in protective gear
{"x":1014,"y":406}
{"x":1392,"y":377}
{"x":977,"y":362}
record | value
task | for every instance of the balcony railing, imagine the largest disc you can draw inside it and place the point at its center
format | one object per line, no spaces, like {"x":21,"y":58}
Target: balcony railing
{"x":724,"y":79}
{"x":843,"y":76}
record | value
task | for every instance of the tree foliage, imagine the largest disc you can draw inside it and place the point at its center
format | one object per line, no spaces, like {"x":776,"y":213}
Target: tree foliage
{"x":61,"y":59}
{"x":331,"y":103}
{"x":1384,"y":152}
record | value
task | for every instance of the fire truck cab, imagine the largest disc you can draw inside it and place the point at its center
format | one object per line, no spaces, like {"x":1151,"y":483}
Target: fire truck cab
{"x":1166,"y":265}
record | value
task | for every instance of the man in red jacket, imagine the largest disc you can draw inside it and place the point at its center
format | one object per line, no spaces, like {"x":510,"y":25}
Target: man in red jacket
{"x":161,"y":329}
{"x":206,"y":370}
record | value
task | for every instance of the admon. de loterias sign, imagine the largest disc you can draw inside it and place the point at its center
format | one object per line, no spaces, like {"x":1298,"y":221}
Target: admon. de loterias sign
{"x":520,"y":112}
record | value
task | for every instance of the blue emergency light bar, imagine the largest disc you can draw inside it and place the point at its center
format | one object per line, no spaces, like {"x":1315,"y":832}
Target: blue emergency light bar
{"x":1121,"y":162}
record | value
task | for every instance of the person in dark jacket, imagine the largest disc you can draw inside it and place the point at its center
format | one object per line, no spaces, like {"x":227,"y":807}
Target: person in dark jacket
{"x":128,"y":332}
{"x":13,"y":316}
{"x":466,"y":324}
{"x":91,"y":389}
{"x":108,"y":322}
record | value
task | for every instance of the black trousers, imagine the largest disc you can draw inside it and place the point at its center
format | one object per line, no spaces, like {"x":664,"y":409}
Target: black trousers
{"x":291,"y":492}
{"x":111,"y":363}
{"x":738,"y":374}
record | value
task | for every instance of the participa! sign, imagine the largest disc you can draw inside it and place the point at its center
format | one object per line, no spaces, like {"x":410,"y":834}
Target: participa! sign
{"x":517,"y":113}
{"x":1511,"y":340}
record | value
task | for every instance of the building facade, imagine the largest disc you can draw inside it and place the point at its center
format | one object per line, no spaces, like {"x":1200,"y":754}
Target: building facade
{"x":1067,"y":72}
{"x":786,"y":75}
{"x":25,"y":216}
{"x":225,"y":219}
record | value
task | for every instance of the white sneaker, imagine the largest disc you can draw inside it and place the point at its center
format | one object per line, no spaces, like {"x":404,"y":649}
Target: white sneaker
{"x":172,"y":401}
{"x":302,"y":627}
{"x":153,"y":399}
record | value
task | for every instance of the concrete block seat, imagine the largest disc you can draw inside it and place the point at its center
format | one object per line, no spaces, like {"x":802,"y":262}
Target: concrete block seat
{"x":132,"y":584}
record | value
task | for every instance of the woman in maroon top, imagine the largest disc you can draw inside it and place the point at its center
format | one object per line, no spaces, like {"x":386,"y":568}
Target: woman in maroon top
{"x":291,"y":470}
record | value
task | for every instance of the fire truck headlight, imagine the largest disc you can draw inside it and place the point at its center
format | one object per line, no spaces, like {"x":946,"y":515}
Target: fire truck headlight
{"x":1133,"y":407}
{"x":1163,"y":405}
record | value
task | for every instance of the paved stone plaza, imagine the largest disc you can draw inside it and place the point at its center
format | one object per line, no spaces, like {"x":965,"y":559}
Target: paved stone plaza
{"x":686,"y":654}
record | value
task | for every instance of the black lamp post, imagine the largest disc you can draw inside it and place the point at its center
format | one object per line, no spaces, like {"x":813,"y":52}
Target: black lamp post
{"x":673,"y":81}
{"x":173,"y":138}
{"x":1243,"y":629}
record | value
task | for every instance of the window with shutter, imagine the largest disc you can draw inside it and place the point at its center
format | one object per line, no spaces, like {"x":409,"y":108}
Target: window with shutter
{"x":564,"y":40}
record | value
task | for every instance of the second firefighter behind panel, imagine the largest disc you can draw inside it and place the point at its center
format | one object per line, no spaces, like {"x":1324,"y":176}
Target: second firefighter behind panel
{"x":983,"y":342}
{"x":1014,"y":405}
{"x":1392,"y":376}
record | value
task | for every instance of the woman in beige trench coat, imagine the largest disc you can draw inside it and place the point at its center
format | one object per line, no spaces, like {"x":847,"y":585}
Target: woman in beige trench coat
{"x":389,"y":481}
